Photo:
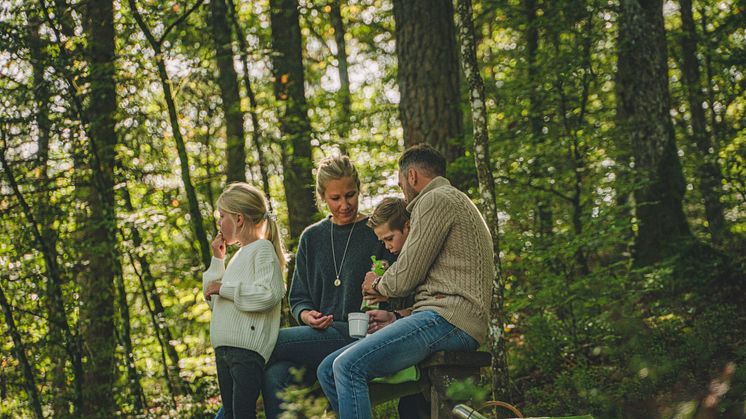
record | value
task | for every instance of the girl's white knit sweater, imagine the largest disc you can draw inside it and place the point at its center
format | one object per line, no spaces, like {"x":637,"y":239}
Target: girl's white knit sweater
{"x":246,"y":313}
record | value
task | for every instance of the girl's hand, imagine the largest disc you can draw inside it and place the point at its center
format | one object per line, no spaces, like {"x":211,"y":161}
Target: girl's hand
{"x":211,"y":289}
{"x":316,"y":320}
{"x":218,"y":246}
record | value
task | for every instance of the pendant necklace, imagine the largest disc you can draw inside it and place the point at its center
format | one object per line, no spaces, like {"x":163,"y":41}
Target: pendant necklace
{"x":337,"y":281}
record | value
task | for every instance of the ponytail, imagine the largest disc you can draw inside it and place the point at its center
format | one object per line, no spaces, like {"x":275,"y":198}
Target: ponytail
{"x":273,"y":235}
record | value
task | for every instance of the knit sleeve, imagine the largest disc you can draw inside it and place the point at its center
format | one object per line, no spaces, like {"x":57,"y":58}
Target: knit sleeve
{"x":300,"y":297}
{"x":261,"y":292}
{"x":214,"y":273}
{"x":431,"y":224}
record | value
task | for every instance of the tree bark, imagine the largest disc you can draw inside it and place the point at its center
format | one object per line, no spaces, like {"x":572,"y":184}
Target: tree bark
{"x":543,"y":203}
{"x":172,"y":372}
{"x":256,"y":132}
{"x":500,"y":377}
{"x":287,"y":68}
{"x":708,"y":169}
{"x":228,"y":81}
{"x":133,"y":377}
{"x":345,"y":104}
{"x":428,"y":75}
{"x":46,"y":215}
{"x":19,"y":350}
{"x":99,"y":248}
{"x":186,"y":178}
{"x":646,"y":128}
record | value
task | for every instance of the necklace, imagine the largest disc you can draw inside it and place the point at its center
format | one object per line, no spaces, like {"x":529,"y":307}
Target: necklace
{"x":337,"y":281}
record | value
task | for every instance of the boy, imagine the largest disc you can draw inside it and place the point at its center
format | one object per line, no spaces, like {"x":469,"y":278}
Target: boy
{"x":390,"y":222}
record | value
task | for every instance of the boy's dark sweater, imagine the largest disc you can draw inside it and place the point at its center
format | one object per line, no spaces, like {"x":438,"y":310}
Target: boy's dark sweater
{"x":313,"y":286}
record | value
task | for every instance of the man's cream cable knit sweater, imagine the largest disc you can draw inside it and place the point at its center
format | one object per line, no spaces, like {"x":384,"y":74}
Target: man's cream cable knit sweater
{"x":246,"y":314}
{"x":447,"y":259}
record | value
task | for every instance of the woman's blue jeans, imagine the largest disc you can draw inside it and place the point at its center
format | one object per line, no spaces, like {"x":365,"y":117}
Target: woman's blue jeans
{"x":344,"y":375}
{"x":300,"y":347}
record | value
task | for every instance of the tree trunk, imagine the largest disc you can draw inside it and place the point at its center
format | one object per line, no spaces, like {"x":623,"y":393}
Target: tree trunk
{"x":46,"y":216}
{"x":228,"y":81}
{"x":19,"y":349}
{"x":99,"y":247}
{"x":428,"y":75}
{"x":194,"y":212}
{"x":708,"y":169}
{"x":645,"y":125}
{"x":543,"y":201}
{"x":133,"y":377}
{"x":256,"y":133}
{"x":345,"y":106}
{"x":172,"y":371}
{"x":500,"y":378}
{"x":287,"y":68}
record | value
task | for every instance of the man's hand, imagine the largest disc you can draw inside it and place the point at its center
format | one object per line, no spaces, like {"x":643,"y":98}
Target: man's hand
{"x":316,"y":320}
{"x":211,"y":289}
{"x":378,"y":319}
{"x":368,"y":284}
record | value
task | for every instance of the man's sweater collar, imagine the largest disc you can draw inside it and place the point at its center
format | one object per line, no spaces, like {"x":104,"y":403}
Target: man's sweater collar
{"x":437,"y":182}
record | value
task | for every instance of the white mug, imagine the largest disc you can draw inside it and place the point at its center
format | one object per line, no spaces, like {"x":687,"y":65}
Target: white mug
{"x":358,"y":323}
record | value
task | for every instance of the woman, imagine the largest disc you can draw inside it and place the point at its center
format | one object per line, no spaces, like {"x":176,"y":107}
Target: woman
{"x":332,"y":260}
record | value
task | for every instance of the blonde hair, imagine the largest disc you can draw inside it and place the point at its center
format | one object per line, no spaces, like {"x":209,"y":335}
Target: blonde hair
{"x":391,"y":211}
{"x":333,"y":168}
{"x":242,"y":198}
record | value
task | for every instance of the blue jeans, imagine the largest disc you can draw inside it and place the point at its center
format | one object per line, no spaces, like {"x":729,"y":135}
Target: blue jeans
{"x":298,"y":347}
{"x":344,"y":375}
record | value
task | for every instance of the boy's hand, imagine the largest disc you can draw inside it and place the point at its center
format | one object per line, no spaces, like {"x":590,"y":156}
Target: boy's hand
{"x":378,"y":319}
{"x":368,"y":284}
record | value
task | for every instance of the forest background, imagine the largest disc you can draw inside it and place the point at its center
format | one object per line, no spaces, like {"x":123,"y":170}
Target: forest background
{"x":604,"y":140}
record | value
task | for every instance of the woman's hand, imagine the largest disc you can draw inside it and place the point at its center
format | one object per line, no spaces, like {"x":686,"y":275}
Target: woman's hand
{"x":378,"y":319}
{"x":316,"y":320}
{"x":211,"y":289}
{"x":218,"y":246}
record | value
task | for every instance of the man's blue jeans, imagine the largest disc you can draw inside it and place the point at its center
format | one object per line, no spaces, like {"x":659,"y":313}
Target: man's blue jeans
{"x":299,"y":347}
{"x":344,"y":375}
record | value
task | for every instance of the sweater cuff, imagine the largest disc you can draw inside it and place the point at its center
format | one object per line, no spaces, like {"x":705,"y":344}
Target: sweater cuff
{"x":215,"y":271}
{"x":228,"y":291}
{"x":299,"y":309}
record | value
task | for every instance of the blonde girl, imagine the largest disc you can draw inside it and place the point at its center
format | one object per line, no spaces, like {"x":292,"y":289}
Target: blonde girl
{"x":244,"y":296}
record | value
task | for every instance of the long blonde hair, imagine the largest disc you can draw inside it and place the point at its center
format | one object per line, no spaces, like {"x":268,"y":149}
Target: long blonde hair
{"x":242,"y":198}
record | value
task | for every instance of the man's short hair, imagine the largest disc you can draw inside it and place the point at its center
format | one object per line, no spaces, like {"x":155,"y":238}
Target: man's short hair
{"x":426,"y":158}
{"x":391,"y":211}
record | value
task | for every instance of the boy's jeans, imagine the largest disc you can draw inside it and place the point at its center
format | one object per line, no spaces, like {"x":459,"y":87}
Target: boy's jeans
{"x":344,"y":375}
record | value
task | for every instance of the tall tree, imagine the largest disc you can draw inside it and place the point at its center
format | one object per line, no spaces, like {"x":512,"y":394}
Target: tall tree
{"x":100,"y":246}
{"x":646,"y":129}
{"x":19,"y":349}
{"x":708,"y":169}
{"x":256,"y":132}
{"x":500,"y":378}
{"x":345,"y":103}
{"x":46,"y":214}
{"x":428,"y":75}
{"x":186,"y":178}
{"x":287,"y":70}
{"x":228,"y":81}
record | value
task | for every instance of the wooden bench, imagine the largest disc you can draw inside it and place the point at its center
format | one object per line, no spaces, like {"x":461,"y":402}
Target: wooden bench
{"x":437,"y":373}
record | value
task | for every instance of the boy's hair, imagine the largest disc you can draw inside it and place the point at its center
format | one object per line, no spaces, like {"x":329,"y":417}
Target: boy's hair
{"x":426,"y":158}
{"x":391,"y":211}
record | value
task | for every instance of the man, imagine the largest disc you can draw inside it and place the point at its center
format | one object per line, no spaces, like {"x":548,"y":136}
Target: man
{"x":446,"y":261}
